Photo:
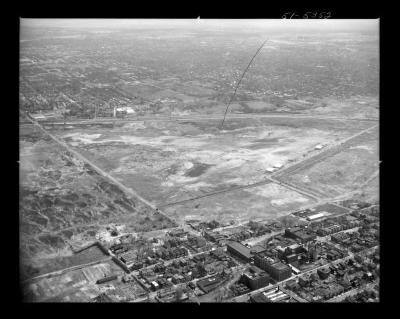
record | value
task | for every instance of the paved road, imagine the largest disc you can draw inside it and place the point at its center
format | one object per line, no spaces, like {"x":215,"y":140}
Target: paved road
{"x":196,"y":117}
{"x":327,"y":152}
{"x":352,"y":292}
{"x":291,"y":168}
{"x":61,"y":271}
{"x":292,"y":294}
{"x":245,"y":297}
{"x":279,"y":176}
{"x":168,"y":262}
{"x":296,"y":188}
{"x":242,"y":298}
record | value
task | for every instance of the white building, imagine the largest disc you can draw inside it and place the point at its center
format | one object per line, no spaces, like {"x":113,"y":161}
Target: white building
{"x":127,"y":109}
{"x":38,"y":116}
{"x":315,"y":216}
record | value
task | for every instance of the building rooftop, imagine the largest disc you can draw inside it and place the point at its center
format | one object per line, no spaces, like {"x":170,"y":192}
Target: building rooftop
{"x":257,"y":249}
{"x":242,"y":249}
{"x":259,"y":298}
{"x":255,"y":269}
{"x":279,"y":265}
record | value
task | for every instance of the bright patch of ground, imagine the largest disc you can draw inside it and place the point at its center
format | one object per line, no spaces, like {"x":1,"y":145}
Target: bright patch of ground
{"x":264,"y":202}
{"x":172,"y":161}
{"x":343,"y":172}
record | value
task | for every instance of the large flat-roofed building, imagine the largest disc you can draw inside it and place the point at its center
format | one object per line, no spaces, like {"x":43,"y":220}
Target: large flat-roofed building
{"x":239,"y":250}
{"x":317,"y":216}
{"x":257,"y":249}
{"x":300,"y":234}
{"x":275,"y":268}
{"x":255,"y":278}
{"x":209,"y":284}
{"x":214,"y":236}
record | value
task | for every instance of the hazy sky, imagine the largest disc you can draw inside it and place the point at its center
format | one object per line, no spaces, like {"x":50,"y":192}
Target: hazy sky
{"x":294,"y":24}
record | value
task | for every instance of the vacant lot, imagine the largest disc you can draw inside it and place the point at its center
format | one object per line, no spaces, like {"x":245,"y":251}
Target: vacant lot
{"x":344,"y":171}
{"x":262,"y":202}
{"x":62,"y":200}
{"x":76,"y":285}
{"x":48,"y":265}
{"x":167,"y":162}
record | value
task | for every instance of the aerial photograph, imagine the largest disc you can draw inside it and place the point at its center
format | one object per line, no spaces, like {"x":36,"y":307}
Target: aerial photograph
{"x":199,"y":160}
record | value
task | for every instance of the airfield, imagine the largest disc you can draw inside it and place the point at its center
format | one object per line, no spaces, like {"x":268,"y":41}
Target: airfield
{"x":253,"y":168}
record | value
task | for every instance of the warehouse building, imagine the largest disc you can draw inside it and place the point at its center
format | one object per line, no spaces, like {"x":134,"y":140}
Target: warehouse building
{"x":239,"y":250}
{"x":317,"y":216}
{"x":300,"y":234}
{"x":209,"y":284}
{"x":255,"y":278}
{"x":273,"y":267}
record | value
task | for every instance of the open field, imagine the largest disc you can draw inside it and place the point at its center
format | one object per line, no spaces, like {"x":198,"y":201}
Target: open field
{"x":370,"y":192}
{"x":167,"y":162}
{"x":264,"y":202}
{"x":76,"y":285}
{"x":63,"y":201}
{"x":49,"y":265}
{"x":343,"y":171}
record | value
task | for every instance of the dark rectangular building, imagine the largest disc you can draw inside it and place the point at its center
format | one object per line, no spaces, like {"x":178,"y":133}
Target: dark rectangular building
{"x":239,"y":250}
{"x":273,"y":267}
{"x":300,"y":234}
{"x":255,"y":278}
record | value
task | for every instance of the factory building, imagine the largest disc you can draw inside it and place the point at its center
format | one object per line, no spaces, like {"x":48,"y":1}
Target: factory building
{"x":273,"y":267}
{"x":300,"y":234}
{"x":257,"y":249}
{"x":316,"y":216}
{"x":239,"y":250}
{"x":323,"y":273}
{"x":255,"y":278}
{"x":209,"y":284}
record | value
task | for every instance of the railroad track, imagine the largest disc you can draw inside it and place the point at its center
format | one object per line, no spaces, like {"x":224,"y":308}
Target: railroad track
{"x":281,"y":176}
{"x":330,"y":151}
{"x":263,"y":182}
{"x":302,"y":190}
{"x":130,"y":192}
{"x":64,"y":270}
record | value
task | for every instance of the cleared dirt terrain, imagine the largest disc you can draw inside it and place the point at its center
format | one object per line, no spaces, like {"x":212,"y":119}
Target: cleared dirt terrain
{"x":167,"y":162}
{"x":344,"y":171}
{"x":263,"y":202}
{"x":63,"y":201}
